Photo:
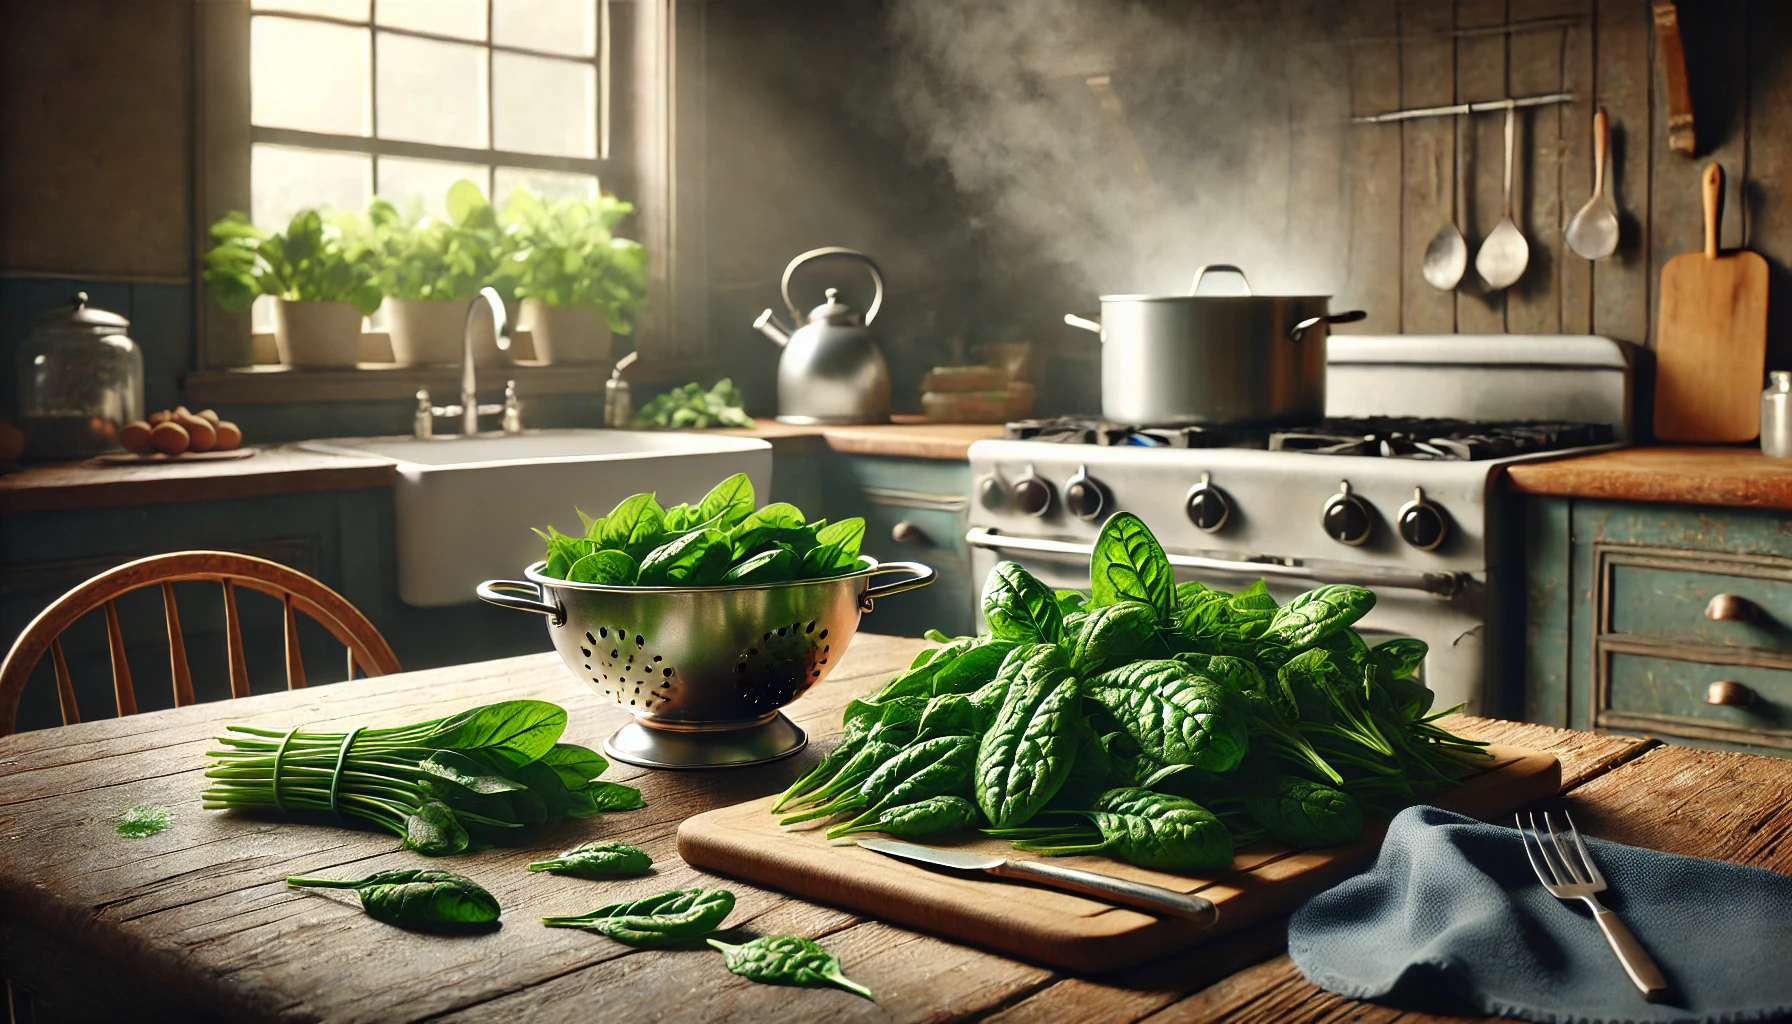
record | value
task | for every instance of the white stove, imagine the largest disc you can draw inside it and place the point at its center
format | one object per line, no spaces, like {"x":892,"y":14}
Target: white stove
{"x":1397,"y":491}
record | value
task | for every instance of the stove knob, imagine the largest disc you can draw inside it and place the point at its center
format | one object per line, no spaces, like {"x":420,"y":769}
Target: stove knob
{"x":1208,"y":507}
{"x":1086,"y":497}
{"x":992,"y":492}
{"x":1347,"y":518}
{"x":1422,"y":524}
{"x":1033,"y":495}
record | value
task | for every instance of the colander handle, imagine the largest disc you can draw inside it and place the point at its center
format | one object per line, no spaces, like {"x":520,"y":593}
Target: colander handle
{"x":507,"y":594}
{"x":920,"y":576}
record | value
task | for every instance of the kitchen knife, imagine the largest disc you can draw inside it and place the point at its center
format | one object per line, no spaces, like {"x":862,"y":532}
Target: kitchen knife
{"x":1103,"y":887}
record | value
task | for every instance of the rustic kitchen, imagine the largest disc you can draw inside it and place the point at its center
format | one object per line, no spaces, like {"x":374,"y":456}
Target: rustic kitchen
{"x":896,"y":510}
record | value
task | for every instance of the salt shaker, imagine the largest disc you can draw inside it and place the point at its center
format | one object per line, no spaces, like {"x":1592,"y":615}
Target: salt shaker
{"x":1776,"y":416}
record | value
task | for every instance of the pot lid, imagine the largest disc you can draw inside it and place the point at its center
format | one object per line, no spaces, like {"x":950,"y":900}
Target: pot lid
{"x":1215,"y":298}
{"x":78,"y":316}
{"x":833,"y":311}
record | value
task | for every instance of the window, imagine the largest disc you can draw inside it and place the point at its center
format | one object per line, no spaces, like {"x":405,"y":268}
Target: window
{"x":400,"y":98}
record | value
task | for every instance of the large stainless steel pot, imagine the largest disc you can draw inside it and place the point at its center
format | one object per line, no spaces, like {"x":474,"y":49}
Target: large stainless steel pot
{"x":1213,"y":359}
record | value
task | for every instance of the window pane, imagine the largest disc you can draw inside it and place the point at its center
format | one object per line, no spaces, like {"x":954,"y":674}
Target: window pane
{"x":464,"y":19}
{"x":547,"y":184}
{"x":404,"y":181}
{"x":308,"y":75}
{"x":557,"y":26}
{"x":349,"y":10}
{"x":543,"y":105}
{"x":284,"y":180}
{"x":431,"y":91}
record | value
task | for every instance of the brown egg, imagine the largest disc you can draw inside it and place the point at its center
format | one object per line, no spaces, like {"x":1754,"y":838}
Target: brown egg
{"x":209,"y":414}
{"x":229,"y":436}
{"x":170,"y":438}
{"x":156,"y":419}
{"x":204,"y":436}
{"x":181,"y":411}
{"x":135,"y":437}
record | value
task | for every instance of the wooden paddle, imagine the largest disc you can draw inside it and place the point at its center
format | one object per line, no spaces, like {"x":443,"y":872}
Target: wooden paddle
{"x":1711,"y":346}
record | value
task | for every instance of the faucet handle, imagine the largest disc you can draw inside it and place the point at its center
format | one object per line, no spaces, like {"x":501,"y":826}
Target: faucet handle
{"x":513,"y":409}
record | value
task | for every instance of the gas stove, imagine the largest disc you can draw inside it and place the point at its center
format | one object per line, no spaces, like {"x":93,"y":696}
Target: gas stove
{"x":1395,"y":490}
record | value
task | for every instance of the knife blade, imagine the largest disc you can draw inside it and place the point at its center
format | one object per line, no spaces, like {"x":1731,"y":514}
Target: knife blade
{"x":1107,"y":888}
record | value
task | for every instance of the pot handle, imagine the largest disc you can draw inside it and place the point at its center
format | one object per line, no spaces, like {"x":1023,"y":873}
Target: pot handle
{"x":1093,"y":326}
{"x":877,"y":279}
{"x":508,"y":594}
{"x":1299,"y":331}
{"x":921,"y":576}
{"x":1194,"y":287}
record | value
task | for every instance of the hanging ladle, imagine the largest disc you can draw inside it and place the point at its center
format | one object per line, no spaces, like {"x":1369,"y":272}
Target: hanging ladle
{"x":1504,"y":254}
{"x":1446,"y":258}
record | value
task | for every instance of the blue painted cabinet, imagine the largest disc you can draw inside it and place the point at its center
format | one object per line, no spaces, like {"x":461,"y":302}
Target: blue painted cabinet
{"x":1663,"y":620}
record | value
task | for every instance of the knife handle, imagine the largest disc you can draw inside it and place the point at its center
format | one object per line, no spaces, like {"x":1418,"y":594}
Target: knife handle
{"x":1110,"y":889}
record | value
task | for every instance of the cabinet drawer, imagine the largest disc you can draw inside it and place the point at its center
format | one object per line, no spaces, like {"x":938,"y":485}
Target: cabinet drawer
{"x":917,"y":527}
{"x":1664,"y":594}
{"x":1666,"y":697}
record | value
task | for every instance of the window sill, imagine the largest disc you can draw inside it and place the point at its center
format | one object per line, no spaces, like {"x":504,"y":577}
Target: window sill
{"x":270,"y":384}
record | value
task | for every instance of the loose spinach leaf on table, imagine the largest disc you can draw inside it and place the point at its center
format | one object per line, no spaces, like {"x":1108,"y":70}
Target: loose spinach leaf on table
{"x":598,"y":859}
{"x":787,"y":960}
{"x":1020,"y":608}
{"x":418,"y":899}
{"x":1130,"y":565}
{"x":669,"y":919}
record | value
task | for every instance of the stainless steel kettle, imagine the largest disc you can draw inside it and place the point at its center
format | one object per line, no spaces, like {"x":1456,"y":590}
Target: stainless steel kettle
{"x":831,"y":371}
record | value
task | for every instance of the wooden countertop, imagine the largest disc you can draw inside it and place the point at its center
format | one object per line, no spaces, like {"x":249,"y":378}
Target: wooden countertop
{"x":909,"y":437}
{"x":1733,"y":477}
{"x":197,"y":923}
{"x":58,"y":486}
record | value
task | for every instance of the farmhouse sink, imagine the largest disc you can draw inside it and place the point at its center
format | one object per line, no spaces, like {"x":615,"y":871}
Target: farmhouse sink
{"x":464,"y":505}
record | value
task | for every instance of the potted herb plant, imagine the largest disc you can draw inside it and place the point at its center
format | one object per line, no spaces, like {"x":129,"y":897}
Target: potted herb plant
{"x":323,"y":283}
{"x":429,"y":269}
{"x":579,"y":283}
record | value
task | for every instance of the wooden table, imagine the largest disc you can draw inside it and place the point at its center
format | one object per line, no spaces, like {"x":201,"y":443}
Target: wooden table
{"x":196,"y":923}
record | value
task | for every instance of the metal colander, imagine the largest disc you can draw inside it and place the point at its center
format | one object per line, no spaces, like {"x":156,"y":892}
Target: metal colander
{"x":704,"y":670}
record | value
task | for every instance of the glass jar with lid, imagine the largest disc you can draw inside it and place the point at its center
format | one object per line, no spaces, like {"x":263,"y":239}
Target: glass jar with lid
{"x":80,"y":382}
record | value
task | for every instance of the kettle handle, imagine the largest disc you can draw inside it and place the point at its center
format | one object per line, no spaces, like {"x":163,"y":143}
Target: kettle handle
{"x":832,"y":250}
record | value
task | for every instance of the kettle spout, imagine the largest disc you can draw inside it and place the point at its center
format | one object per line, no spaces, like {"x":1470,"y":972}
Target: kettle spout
{"x":768,"y":325}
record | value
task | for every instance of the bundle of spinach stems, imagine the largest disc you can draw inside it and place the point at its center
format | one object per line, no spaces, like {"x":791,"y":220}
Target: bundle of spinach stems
{"x":486,"y":776}
{"x":1163,"y":724}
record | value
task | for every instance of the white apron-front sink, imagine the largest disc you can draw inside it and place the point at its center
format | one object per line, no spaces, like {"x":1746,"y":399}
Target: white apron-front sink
{"x":464,"y":505}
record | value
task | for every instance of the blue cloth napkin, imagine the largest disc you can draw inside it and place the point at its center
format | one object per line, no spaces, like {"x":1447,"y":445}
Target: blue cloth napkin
{"x":1451,"y":919}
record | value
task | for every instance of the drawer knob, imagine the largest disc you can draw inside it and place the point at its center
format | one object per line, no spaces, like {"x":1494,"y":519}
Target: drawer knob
{"x":1732,"y":608}
{"x":1729,"y":694}
{"x":906,"y":532}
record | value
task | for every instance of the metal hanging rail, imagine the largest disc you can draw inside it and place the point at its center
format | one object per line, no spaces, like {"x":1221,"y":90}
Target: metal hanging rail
{"x":1467,"y":108}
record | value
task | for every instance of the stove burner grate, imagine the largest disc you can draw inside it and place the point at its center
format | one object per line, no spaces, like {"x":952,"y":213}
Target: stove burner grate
{"x":1384,"y":437}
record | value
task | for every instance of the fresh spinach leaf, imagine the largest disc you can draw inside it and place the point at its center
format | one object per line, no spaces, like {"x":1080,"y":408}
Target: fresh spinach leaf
{"x":610,"y":568}
{"x":1130,"y":565}
{"x":1304,"y":813}
{"x":776,"y":564}
{"x":697,"y":559}
{"x":1398,"y":658}
{"x":1317,"y":614}
{"x":787,"y":960}
{"x":1027,"y":753}
{"x":636,"y":525}
{"x":521,"y":730}
{"x":1018,"y":607}
{"x":1110,"y":633}
{"x":669,"y":919}
{"x":922,"y":818}
{"x":598,"y":859}
{"x":418,"y":899}
{"x":1176,"y":717}
{"x":732,"y":500}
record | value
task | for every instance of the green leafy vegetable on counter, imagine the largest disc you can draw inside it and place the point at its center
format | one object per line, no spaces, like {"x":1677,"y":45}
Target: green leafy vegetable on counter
{"x":692,"y":408}
{"x":598,"y":859}
{"x":669,"y":919}
{"x":788,"y":960}
{"x":144,"y":820}
{"x":720,"y":541}
{"x":1163,"y":724}
{"x":418,"y":899}
{"x":484,"y":776}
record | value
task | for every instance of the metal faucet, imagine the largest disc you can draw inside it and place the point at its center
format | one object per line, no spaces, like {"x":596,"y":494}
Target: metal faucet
{"x":469,"y":410}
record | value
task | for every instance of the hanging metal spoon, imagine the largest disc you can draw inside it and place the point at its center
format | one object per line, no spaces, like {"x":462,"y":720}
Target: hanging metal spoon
{"x":1504,"y":254}
{"x":1447,"y":256}
{"x":1593,"y":233}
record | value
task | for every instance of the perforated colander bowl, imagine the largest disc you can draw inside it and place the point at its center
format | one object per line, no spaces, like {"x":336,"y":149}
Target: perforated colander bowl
{"x":704,"y":670}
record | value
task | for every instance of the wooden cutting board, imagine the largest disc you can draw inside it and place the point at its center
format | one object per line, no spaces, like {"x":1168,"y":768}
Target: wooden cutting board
{"x":1711,"y":344}
{"x":1047,"y":925}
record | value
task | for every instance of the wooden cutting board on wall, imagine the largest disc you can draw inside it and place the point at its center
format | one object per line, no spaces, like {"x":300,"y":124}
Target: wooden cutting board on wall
{"x":1050,"y":926}
{"x":1711,"y":344}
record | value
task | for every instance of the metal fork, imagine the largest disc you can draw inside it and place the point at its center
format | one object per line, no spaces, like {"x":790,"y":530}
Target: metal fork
{"x":1567,"y":871}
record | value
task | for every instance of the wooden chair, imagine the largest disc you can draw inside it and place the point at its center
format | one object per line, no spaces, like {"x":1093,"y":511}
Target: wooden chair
{"x":295,"y":590}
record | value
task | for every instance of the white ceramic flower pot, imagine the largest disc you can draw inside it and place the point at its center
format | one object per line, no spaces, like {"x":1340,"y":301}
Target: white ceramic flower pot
{"x":432,"y":332}
{"x":567,"y":334}
{"x":317,"y":333}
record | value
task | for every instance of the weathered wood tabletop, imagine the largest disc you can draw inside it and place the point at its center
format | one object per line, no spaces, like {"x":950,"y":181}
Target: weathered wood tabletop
{"x":196,"y":923}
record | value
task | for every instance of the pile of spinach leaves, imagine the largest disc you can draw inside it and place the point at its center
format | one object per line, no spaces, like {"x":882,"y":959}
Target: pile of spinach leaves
{"x":721,"y":541}
{"x":487,"y":776}
{"x":1163,"y":724}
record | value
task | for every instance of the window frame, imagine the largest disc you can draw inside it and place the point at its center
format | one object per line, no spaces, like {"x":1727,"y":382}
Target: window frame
{"x":640,"y":168}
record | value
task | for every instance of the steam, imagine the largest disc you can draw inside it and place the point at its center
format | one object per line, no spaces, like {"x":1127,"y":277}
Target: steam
{"x":1001,"y":91}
